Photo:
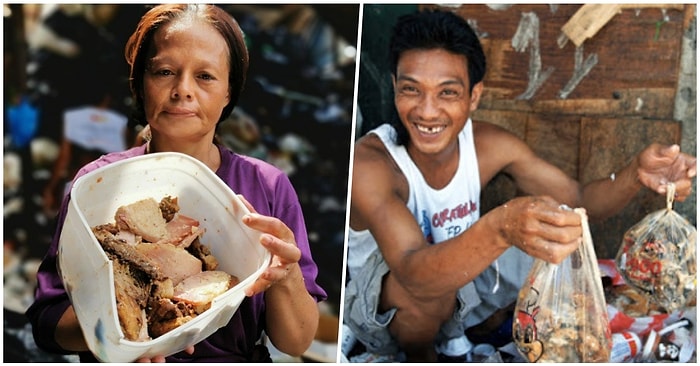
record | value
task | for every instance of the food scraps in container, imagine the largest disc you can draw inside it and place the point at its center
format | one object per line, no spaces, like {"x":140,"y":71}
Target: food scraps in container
{"x":163,"y":275}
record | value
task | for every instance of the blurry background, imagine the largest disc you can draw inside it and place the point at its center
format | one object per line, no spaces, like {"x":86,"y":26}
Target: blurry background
{"x":295,"y":112}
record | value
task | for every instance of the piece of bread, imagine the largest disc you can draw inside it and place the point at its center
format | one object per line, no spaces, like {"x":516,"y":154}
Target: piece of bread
{"x":143,"y":218}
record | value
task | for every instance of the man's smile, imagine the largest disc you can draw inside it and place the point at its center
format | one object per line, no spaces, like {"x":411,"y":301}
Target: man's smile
{"x":430,"y":130}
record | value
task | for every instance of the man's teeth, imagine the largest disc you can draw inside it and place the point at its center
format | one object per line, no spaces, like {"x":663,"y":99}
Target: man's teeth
{"x":430,"y":129}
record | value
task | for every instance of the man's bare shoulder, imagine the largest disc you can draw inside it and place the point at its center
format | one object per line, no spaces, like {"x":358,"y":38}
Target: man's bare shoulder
{"x":373,"y":165}
{"x":491,"y":130}
{"x":376,"y":181}
{"x":497,"y":149}
{"x":369,"y":149}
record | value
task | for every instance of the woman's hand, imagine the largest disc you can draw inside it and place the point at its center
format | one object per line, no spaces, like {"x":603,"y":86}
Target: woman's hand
{"x":160,"y":359}
{"x":291,"y":314}
{"x":279,"y":240}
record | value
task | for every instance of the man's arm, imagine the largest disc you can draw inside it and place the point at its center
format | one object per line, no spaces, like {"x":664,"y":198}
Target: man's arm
{"x":379,"y":204}
{"x":501,"y":151}
{"x":653,"y":168}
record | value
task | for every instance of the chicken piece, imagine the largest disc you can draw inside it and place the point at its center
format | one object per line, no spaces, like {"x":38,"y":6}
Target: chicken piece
{"x":132,"y":291}
{"x":201,"y":251}
{"x":166,"y":315}
{"x":200,"y":290}
{"x":119,"y":249}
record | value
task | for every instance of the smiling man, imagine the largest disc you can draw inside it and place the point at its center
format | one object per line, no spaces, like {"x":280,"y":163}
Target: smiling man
{"x":424,"y":267}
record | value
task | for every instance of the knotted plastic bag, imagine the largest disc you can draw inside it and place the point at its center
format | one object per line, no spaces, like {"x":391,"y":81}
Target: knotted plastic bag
{"x":657,"y":257}
{"x":560,"y":314}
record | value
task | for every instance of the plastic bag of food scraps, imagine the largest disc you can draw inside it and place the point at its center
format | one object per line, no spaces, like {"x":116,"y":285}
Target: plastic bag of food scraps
{"x":561,"y":314}
{"x":667,"y":337}
{"x":657,"y":257}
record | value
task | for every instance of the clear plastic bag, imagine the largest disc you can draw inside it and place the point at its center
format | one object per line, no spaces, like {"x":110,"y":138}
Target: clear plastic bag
{"x":657,"y":257}
{"x":560,"y":314}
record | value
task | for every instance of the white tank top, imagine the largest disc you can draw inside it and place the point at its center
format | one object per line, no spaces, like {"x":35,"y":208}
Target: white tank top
{"x":443,"y":214}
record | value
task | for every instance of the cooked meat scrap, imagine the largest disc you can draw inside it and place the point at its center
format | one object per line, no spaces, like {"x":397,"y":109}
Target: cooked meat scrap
{"x":203,"y":253}
{"x":131,"y":297}
{"x":166,"y":315}
{"x":127,"y":253}
{"x":163,"y":289}
{"x":106,"y":228}
{"x":153,"y":248}
{"x":145,"y":218}
{"x":167,"y":309}
{"x":182,"y":231}
{"x":170,"y":261}
{"x":128,"y":237}
{"x":169,"y":207}
{"x":158,"y":328}
{"x":200,"y":289}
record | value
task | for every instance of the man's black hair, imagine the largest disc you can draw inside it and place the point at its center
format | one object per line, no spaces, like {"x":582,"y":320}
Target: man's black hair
{"x":435,"y":29}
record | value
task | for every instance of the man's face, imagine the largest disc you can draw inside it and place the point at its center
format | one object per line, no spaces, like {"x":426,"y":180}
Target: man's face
{"x":432,"y":98}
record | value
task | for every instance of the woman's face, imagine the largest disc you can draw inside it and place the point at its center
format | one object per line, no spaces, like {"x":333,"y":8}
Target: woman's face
{"x":186,"y":81}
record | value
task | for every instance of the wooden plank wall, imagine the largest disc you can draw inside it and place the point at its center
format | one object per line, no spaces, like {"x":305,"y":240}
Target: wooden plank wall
{"x":595,"y":105}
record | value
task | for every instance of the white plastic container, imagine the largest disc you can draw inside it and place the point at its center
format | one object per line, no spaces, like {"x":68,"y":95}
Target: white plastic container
{"x":87,"y":273}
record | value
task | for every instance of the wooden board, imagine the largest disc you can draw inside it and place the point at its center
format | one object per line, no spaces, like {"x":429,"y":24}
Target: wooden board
{"x":638,"y":49}
{"x":588,"y":20}
{"x":555,"y":138}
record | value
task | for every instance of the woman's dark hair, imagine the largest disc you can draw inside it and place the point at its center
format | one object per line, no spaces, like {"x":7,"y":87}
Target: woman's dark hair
{"x":435,"y":29}
{"x":140,"y":42}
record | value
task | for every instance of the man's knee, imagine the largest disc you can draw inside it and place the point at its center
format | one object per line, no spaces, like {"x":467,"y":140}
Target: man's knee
{"x":394,"y":296}
{"x":416,"y":319}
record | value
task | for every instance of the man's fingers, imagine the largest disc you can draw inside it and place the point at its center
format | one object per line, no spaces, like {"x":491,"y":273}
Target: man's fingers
{"x":558,"y":216}
{"x":553,"y":252}
{"x":670,"y":151}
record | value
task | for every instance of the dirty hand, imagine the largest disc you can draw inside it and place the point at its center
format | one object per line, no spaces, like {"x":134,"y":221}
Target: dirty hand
{"x":540,"y":227}
{"x":661,"y":164}
{"x":279,"y":240}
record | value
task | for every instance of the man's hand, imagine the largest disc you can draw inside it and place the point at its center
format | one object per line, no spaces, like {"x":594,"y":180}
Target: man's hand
{"x":660,"y":165}
{"x":540,"y":227}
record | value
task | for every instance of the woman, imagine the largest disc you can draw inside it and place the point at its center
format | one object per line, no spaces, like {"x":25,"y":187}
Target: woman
{"x":188,"y":67}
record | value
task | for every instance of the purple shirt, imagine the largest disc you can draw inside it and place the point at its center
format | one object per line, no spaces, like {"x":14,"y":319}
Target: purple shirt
{"x":267,"y":189}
